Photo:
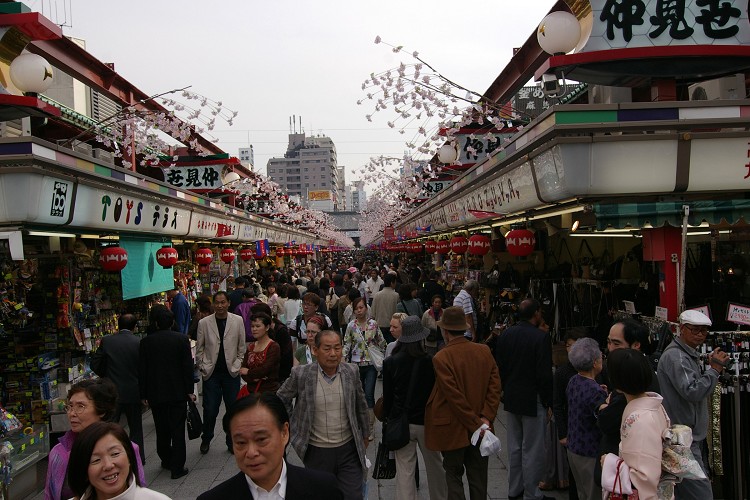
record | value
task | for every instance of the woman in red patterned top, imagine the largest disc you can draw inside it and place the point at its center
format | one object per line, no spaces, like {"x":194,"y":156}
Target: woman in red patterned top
{"x":260,"y":368}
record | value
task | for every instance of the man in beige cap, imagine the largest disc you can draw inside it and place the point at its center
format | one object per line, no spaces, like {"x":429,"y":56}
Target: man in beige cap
{"x":686,"y":385}
{"x":465,"y":397}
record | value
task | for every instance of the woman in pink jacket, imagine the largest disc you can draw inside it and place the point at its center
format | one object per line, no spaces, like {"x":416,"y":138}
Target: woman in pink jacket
{"x":643,"y":421}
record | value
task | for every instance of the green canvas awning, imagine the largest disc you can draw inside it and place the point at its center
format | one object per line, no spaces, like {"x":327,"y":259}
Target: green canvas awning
{"x":637,"y":215}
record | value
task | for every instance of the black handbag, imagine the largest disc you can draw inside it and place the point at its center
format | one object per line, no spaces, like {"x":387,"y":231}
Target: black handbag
{"x":194,"y":422}
{"x":396,"y":433}
{"x":385,"y":466}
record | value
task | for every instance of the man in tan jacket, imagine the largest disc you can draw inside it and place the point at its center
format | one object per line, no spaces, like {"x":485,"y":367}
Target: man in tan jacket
{"x":466,"y":396}
{"x":384,"y":305}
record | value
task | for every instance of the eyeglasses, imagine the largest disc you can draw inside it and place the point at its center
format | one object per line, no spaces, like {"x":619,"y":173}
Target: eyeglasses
{"x":696,"y":330}
{"x":76,"y":408}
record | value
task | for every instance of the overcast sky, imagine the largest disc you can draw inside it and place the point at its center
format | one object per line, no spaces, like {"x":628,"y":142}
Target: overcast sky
{"x":273,"y":59}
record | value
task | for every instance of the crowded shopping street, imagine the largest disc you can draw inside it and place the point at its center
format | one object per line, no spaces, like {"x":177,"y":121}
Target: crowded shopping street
{"x":375,"y":250}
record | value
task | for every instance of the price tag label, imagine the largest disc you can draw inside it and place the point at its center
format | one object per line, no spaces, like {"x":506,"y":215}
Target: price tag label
{"x":629,"y":306}
{"x":661,"y":313}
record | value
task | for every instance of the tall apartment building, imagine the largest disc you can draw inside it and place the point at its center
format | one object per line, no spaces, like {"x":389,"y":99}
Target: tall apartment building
{"x":356,"y":197}
{"x":309,"y":169}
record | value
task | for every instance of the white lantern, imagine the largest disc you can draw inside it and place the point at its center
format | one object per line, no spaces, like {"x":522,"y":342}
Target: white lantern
{"x":231,"y":177}
{"x":448,"y":153}
{"x":31,"y":73}
{"x":559,"y":33}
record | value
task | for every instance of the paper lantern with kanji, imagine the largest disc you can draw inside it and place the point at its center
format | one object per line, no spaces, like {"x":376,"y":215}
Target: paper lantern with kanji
{"x":113,"y":258}
{"x":228,"y":255}
{"x":415,"y":248}
{"x":280,"y":252}
{"x":204,"y":256}
{"x":430,"y":246}
{"x":247,"y":254}
{"x":443,"y":248}
{"x":167,"y":257}
{"x":459,"y":244}
{"x":479,"y":244}
{"x":520,"y":242}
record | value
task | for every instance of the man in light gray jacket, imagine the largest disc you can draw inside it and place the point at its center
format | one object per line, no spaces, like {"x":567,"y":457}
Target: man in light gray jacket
{"x":686,"y":385}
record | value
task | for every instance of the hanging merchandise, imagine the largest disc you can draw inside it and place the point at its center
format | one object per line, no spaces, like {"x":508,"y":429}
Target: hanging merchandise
{"x":479,"y":244}
{"x":204,"y":256}
{"x":167,"y":257}
{"x":459,"y":245}
{"x":520,"y":242}
{"x":113,"y":258}
{"x":228,"y":255}
{"x":261,"y":249}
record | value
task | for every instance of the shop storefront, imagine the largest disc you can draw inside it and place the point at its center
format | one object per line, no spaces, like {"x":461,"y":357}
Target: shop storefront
{"x":81,"y":242}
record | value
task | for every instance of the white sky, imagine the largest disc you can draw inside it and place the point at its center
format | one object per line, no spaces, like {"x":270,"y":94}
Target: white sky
{"x":273,"y":59}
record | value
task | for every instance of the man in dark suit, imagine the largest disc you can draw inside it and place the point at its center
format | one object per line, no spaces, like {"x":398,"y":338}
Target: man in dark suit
{"x":524,"y":356}
{"x":259,"y":427}
{"x":117,"y":360}
{"x":166,"y":381}
{"x":465,"y":397}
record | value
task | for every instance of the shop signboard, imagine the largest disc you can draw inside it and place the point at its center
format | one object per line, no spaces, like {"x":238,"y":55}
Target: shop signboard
{"x":514,"y":191}
{"x":195,"y":178}
{"x":642,"y":23}
{"x":474,"y":148}
{"x":122,"y":211}
{"x":36,"y":198}
{"x":252,"y":232}
{"x":207,"y":226}
{"x":612,"y":168}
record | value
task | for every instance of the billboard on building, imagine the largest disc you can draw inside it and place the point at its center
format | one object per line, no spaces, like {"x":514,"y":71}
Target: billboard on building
{"x":319,"y":195}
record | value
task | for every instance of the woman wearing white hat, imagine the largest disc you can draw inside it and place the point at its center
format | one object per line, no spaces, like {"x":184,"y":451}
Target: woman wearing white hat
{"x":409,"y":371}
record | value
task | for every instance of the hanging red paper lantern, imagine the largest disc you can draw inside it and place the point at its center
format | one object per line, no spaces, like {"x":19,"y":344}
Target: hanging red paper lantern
{"x":204,"y":256}
{"x":430,"y":246}
{"x":479,"y":244}
{"x":280,"y":252}
{"x":247,"y":254}
{"x":417,"y":248}
{"x":459,"y":244}
{"x":228,"y":255}
{"x":443,"y":248}
{"x":520,"y":242}
{"x":113,"y":258}
{"x":166,"y":257}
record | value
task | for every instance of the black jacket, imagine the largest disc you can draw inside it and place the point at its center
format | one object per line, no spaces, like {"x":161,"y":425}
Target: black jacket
{"x":117,"y":359}
{"x":563,"y":374}
{"x":429,"y":289}
{"x":301,"y":484}
{"x":397,"y":371}
{"x":524,"y":356}
{"x":165,"y":368}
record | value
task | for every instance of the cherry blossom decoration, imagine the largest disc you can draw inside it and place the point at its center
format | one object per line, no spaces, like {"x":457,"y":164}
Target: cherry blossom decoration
{"x":420,"y":97}
{"x":145,"y":132}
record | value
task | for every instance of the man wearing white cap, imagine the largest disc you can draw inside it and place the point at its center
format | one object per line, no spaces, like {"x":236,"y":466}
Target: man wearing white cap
{"x":686,"y":385}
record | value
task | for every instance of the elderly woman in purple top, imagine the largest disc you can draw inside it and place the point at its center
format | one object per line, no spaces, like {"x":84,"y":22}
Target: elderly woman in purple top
{"x":89,"y":401}
{"x":585,"y":395}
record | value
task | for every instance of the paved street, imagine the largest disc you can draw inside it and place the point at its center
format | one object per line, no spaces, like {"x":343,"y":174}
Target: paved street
{"x":218,"y":465}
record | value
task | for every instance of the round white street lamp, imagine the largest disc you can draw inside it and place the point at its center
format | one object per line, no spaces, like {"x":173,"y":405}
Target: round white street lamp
{"x":31,"y":73}
{"x":559,"y":33}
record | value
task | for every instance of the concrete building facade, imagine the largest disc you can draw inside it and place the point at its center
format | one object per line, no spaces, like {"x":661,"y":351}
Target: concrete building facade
{"x":310,"y":170}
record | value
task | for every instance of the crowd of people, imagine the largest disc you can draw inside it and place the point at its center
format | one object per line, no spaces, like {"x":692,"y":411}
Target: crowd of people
{"x":295,"y":358}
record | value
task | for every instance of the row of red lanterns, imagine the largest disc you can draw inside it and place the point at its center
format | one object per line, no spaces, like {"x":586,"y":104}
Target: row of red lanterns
{"x":519,"y":242}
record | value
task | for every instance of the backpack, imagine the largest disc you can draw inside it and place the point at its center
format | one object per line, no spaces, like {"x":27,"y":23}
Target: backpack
{"x":332,"y":300}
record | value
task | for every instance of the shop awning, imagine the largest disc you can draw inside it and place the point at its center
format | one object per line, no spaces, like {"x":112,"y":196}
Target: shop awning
{"x":637,"y":215}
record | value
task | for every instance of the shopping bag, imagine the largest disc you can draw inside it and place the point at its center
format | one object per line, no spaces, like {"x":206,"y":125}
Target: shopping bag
{"x":376,"y":356}
{"x":194,"y":422}
{"x":385,"y":466}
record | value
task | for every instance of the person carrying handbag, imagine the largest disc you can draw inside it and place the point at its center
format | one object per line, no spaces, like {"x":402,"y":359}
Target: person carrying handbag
{"x":363,"y":334}
{"x":408,"y":379}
